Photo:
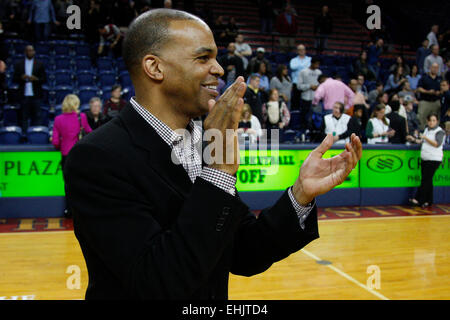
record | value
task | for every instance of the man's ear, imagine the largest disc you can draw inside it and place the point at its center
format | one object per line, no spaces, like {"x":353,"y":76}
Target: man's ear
{"x":152,"y":67}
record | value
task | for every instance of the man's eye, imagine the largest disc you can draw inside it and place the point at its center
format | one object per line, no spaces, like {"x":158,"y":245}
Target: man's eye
{"x":203,"y":58}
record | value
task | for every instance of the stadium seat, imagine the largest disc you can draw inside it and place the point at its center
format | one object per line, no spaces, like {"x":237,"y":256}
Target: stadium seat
{"x":85,"y":78}
{"x":58,"y":110}
{"x":288,"y":136}
{"x":105,"y":63}
{"x":45,"y":110}
{"x":83,"y":63}
{"x":120,"y":65}
{"x":63,"y":78}
{"x":63,"y":62}
{"x":128,"y":92}
{"x":61,"y":92}
{"x":86,"y":93}
{"x":10,"y":115}
{"x":85,"y":107}
{"x":82,"y":50}
{"x":106,"y":93}
{"x":294,"y":123}
{"x":43,"y":48}
{"x":38,"y":135}
{"x":44,"y":58}
{"x":10,"y":135}
{"x":106,"y":78}
{"x":62,"y":49}
{"x":124,"y":79}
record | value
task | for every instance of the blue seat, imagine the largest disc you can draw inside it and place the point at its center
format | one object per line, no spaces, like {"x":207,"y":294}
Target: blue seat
{"x":106,"y":93}
{"x":62,"y":49}
{"x":288,"y":136}
{"x":82,"y":50}
{"x":45,"y":111}
{"x":86,"y":93}
{"x":58,"y":110}
{"x":38,"y":135}
{"x":44,"y":58}
{"x":120,"y":64}
{"x":83,"y":63}
{"x":85,"y":107}
{"x":10,"y":135}
{"x":43,"y":48}
{"x":85,"y":78}
{"x":10,"y":115}
{"x":105,"y":63}
{"x":106,"y":78}
{"x":63,"y":78}
{"x":61,"y":92}
{"x":294,"y":123}
{"x":124,"y":79}
{"x":63,"y":62}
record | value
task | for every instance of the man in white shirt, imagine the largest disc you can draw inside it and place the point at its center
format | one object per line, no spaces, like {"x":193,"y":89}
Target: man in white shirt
{"x":243,"y":50}
{"x":297,"y":64}
{"x":432,"y":35}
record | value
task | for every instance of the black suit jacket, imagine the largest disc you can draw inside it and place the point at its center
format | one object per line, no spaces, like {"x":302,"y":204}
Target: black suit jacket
{"x":148,"y":232}
{"x":38,"y":71}
{"x":398,"y":123}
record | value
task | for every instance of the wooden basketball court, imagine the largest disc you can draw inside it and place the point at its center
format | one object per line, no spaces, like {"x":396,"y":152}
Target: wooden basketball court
{"x":389,"y":256}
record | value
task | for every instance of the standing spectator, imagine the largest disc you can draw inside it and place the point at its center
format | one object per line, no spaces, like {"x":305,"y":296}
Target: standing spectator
{"x":66,"y":130}
{"x":263,"y":79}
{"x":432,"y":36}
{"x":307,"y":84}
{"x":358,"y":99}
{"x":287,"y":27}
{"x":219,"y":31}
{"x":430,"y":90}
{"x":412,"y":122}
{"x":2,"y":81}
{"x":266,"y":15}
{"x":445,"y":100}
{"x":377,"y":130}
{"x":95,"y":116}
{"x":372,"y":98}
{"x":373,"y":55}
{"x":431,"y":154}
{"x":254,"y":62}
{"x":421,"y":54}
{"x":41,"y":15}
{"x":336,"y":124}
{"x":113,"y":105}
{"x":110,"y":34}
{"x":243,"y":50}
{"x":413,"y":78}
{"x":400,"y":62}
{"x":434,"y":57}
{"x":360,"y":66}
{"x":283,"y":83}
{"x":323,"y":27}
{"x":231,"y":30}
{"x":332,"y":91}
{"x":395,"y":81}
{"x":249,"y":127}
{"x":397,"y":123}
{"x":232,"y":65}
{"x":297,"y":64}
{"x":275,"y":113}
{"x":255,"y":97}
{"x":92,"y":19}
{"x":30,"y":75}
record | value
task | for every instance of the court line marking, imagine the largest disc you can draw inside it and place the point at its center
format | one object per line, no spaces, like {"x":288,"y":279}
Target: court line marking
{"x":387,"y":217}
{"x":36,"y":232}
{"x":345,"y":275}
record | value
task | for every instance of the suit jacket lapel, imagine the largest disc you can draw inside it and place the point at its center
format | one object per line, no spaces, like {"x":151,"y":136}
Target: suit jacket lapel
{"x":158,"y":152}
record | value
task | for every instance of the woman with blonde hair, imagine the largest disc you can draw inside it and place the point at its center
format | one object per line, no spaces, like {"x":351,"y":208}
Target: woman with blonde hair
{"x":249,"y":125}
{"x":67,"y":128}
{"x":378,"y":130}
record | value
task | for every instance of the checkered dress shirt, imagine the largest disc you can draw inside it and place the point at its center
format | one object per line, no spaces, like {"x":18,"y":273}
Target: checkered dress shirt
{"x":186,"y":150}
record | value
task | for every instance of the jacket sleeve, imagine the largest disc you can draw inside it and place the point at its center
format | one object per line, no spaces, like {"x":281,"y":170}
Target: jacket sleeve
{"x":85,"y":123}
{"x":56,"y":140}
{"x":148,"y":261}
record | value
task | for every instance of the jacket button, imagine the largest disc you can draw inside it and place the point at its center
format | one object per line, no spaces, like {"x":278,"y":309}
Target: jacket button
{"x":226,"y":211}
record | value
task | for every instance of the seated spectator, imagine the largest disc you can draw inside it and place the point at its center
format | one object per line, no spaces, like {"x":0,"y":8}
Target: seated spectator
{"x":231,"y":30}
{"x":445,"y":100}
{"x":219,"y":31}
{"x":377,"y":130}
{"x":373,"y":55}
{"x":254,"y":97}
{"x":395,"y":98}
{"x":372,"y":98}
{"x":360,"y":66}
{"x":113,"y":105}
{"x":110,"y":35}
{"x":359,"y":97}
{"x":254,"y":62}
{"x":421,"y":54}
{"x":275,"y":112}
{"x":414,"y":77}
{"x":95,"y":116}
{"x":400,"y":62}
{"x":249,"y":127}
{"x":434,"y":57}
{"x":361,"y":86}
{"x":263,"y":79}
{"x":397,"y":123}
{"x":332,"y":91}
{"x":395,"y":81}
{"x":232,"y":65}
{"x":355,"y":124}
{"x":243,"y":50}
{"x":337,"y":124}
{"x":283,"y":83}
{"x":406,"y":91}
{"x":412,"y":122}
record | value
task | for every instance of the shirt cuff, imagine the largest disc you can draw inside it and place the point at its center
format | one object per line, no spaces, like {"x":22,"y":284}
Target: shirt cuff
{"x":220,"y":179}
{"x":302,"y":211}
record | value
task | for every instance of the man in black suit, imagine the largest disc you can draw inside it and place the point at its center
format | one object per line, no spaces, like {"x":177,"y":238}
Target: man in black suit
{"x":152,"y":220}
{"x":397,"y":123}
{"x":30,"y":75}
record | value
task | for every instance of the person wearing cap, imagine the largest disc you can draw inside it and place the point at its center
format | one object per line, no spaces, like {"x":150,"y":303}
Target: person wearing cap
{"x":256,"y":60}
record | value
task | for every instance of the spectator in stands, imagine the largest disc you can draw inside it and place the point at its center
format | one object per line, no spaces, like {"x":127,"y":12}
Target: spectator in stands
{"x":432,"y":36}
{"x":297,"y":64}
{"x":412,"y":122}
{"x":219,"y":31}
{"x":283,"y":83}
{"x":395,"y":81}
{"x":323,"y":27}
{"x":91,"y":20}
{"x":397,"y":123}
{"x":358,"y":99}
{"x":254,"y":62}
{"x":360,"y":66}
{"x":67,"y":128}
{"x":95,"y":116}
{"x":286,"y":25}
{"x":407,"y":92}
{"x":431,"y":154}
{"x":361,"y":87}
{"x":308,"y":82}
{"x":243,"y":50}
{"x":275,"y":113}
{"x":249,"y":127}
{"x":355,"y":124}
{"x":413,"y":78}
{"x":430,"y":90}
{"x":263,"y":79}
{"x":231,"y":30}
{"x":2,"y":81}
{"x":434,"y":57}
{"x":168,"y":4}
{"x":373,"y":55}
{"x":377,"y":130}
{"x":332,"y":91}
{"x":42,"y":14}
{"x":394,"y":98}
{"x":113,"y":105}
{"x":400,"y":62}
{"x":266,"y":15}
{"x":383,"y":98}
{"x":110,"y":34}
{"x":336,"y":124}
{"x":445,"y":100}
{"x":232,"y":65}
{"x":372,"y":98}
{"x":255,"y":97}
{"x":421,"y":54}
{"x":30,"y":75}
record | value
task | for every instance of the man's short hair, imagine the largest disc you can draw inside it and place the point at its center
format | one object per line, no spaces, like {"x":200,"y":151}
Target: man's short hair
{"x":322,"y":77}
{"x":148,"y":33}
{"x":341,"y":106}
{"x":115,"y":87}
{"x":254,"y":76}
{"x":95,"y":99}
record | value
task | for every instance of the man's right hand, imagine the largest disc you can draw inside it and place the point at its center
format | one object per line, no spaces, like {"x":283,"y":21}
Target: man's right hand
{"x":224,"y":114}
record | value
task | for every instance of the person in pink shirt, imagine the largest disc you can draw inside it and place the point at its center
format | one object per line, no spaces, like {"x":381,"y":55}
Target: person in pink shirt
{"x":332,"y":91}
{"x":66,"y":129}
